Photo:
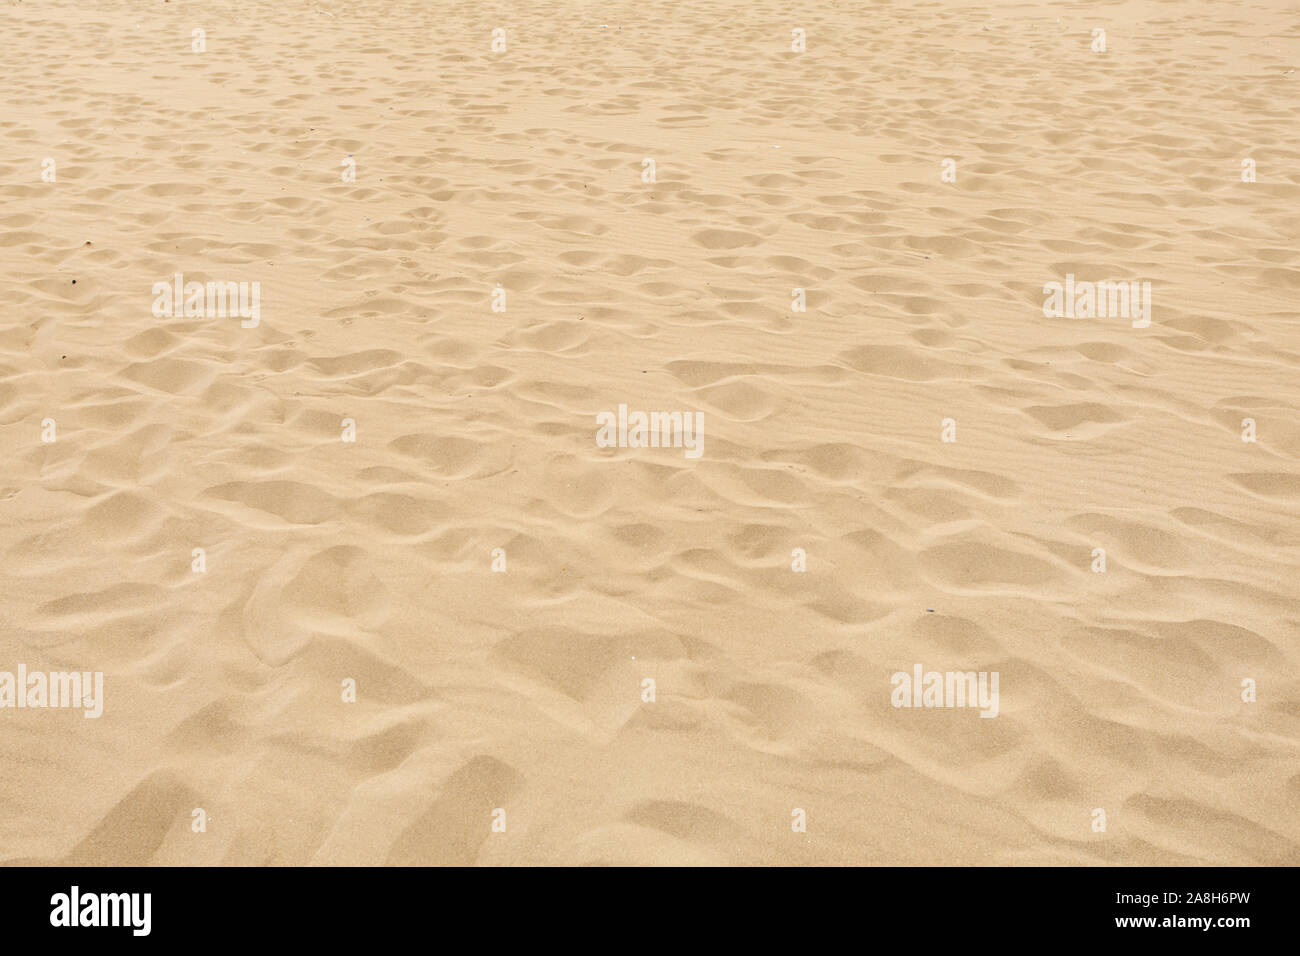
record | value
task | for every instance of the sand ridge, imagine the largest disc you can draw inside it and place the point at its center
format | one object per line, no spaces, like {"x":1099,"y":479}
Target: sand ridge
{"x":371,"y":560}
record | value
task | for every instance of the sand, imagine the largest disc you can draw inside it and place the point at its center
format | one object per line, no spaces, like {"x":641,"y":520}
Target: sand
{"x":500,"y":717}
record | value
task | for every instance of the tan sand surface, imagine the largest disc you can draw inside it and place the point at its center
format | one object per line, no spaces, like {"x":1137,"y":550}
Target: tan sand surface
{"x":371,"y":560}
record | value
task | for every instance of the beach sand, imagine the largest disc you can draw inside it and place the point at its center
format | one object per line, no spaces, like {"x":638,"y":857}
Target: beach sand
{"x":517,"y":697}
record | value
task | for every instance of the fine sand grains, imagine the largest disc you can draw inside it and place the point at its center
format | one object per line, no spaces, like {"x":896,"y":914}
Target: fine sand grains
{"x":326,"y":561}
